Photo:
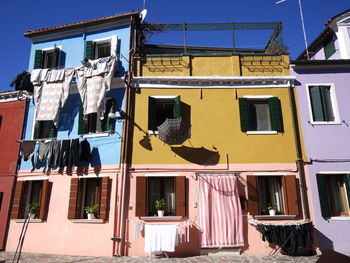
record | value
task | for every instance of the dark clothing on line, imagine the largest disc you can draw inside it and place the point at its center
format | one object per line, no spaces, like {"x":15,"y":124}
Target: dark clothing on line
{"x":64,"y":153}
{"x":73,"y":159}
{"x":85,"y":151}
{"x":289,"y":237}
{"x":27,"y":149}
{"x":22,"y":82}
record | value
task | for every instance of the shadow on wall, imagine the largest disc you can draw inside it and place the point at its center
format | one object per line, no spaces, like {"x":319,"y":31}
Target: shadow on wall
{"x":324,"y":243}
{"x":200,"y":155}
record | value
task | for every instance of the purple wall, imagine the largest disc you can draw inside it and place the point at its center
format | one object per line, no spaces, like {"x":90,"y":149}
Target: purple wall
{"x":326,"y":142}
{"x":319,"y":54}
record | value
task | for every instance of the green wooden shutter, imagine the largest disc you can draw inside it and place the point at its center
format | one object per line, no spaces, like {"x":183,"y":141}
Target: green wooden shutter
{"x":152,"y":111}
{"x":316,"y":103}
{"x":82,"y":126}
{"x":275,"y":114}
{"x":53,"y":131}
{"x":323,"y":195}
{"x":37,"y":130}
{"x":38,"y":59}
{"x":347,"y":185}
{"x":327,"y":103}
{"x":177,"y":107}
{"x":89,"y":49}
{"x":244,"y":114}
{"x":329,"y":48}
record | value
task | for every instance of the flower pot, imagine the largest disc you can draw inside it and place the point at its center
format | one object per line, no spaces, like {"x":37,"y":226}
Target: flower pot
{"x":272,"y":212}
{"x":160,"y":212}
{"x":91,"y":216}
{"x":32,"y":216}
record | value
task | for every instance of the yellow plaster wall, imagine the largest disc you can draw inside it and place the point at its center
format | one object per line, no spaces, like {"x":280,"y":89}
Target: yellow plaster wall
{"x":215,"y":124}
{"x":208,"y":66}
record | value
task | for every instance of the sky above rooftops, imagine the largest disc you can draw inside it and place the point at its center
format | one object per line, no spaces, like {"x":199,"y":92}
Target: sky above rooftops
{"x":18,"y":16}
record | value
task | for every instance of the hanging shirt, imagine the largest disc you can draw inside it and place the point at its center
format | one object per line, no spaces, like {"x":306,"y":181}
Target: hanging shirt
{"x":93,"y":82}
{"x":51,"y":95}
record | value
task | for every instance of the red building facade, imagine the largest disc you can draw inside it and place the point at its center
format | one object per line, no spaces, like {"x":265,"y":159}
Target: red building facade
{"x":12,"y":112}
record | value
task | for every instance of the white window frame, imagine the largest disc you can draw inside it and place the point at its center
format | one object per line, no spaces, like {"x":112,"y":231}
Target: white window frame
{"x":113,"y":40}
{"x":333,"y":100}
{"x":160,"y":97}
{"x":259,"y":97}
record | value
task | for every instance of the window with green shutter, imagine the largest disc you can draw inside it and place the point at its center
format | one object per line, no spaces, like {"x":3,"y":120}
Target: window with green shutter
{"x":44,"y":129}
{"x":334,"y":193}
{"x":258,"y":114}
{"x":47,"y":58}
{"x":329,"y":47}
{"x":162,"y":107}
{"x":321,"y":103}
{"x":95,"y":124}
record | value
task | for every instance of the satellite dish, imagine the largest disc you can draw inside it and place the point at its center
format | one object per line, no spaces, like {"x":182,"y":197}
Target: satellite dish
{"x":143,"y":14}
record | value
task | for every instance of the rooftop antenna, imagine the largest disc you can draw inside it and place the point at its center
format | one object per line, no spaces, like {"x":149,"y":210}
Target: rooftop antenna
{"x":302,"y":24}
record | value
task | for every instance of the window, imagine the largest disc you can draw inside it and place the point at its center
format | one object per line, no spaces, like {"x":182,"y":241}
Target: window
{"x":94,"y":124}
{"x":100,"y":48}
{"x":329,"y":47}
{"x":88,"y":192}
{"x":161,"y":188}
{"x":322,"y":103}
{"x":29,"y":192}
{"x":272,"y":190}
{"x":260,"y":114}
{"x":48,"y":58}
{"x":162,"y":107}
{"x":44,"y":129}
{"x":172,"y":189}
{"x":0,"y":121}
{"x":334,"y":194}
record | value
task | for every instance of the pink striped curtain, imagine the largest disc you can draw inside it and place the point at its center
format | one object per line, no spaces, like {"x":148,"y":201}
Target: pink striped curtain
{"x":220,"y":211}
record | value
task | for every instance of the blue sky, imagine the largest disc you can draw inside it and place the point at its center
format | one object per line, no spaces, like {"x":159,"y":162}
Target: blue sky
{"x":18,"y":16}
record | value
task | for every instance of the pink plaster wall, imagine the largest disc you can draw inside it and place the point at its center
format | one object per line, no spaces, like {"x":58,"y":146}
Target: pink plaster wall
{"x":58,"y":235}
{"x":253,"y":242}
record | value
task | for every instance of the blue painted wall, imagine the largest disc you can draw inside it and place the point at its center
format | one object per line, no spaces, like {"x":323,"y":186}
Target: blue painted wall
{"x":105,"y":150}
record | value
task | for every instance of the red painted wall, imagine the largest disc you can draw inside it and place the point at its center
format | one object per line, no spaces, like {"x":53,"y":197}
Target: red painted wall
{"x":10,"y":130}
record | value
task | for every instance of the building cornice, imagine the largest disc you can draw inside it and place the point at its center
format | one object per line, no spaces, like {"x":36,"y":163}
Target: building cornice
{"x":213,"y":82}
{"x":14,"y":95}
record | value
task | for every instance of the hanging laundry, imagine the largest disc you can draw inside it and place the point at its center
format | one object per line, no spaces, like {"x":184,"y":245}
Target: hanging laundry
{"x":27,"y":149}
{"x":22,"y":82}
{"x":160,"y":238}
{"x":73,"y":158}
{"x":137,"y":229}
{"x":51,"y":94}
{"x":289,"y":237}
{"x":54,"y":153}
{"x":63,"y":156}
{"x":85,"y":151}
{"x":93,"y":82}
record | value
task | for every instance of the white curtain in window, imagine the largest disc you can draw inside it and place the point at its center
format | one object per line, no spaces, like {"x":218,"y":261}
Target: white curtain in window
{"x":220,"y":211}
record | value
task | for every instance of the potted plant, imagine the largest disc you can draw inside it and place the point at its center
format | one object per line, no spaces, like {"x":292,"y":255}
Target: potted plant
{"x":91,"y":210}
{"x":31,"y":209}
{"x":272,"y":209}
{"x":160,"y":206}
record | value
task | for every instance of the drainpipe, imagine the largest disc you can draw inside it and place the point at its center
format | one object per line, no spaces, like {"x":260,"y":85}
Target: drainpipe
{"x":119,"y":230}
{"x":298,"y":148}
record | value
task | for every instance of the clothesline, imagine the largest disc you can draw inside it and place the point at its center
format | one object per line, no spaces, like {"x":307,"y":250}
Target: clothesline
{"x":255,"y":223}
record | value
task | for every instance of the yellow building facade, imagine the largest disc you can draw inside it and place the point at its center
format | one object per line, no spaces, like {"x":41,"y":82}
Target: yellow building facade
{"x":241,"y":126}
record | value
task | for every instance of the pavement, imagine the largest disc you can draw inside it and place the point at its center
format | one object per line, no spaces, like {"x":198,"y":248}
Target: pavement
{"x":41,"y":258}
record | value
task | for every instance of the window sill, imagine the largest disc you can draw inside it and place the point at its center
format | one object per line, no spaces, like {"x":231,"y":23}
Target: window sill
{"x":161,"y":218}
{"x":261,"y":132}
{"x":276,"y":217}
{"x":325,"y":122}
{"x":340,"y":218}
{"x":93,"y":135}
{"x":91,"y":221}
{"x":30,"y":221}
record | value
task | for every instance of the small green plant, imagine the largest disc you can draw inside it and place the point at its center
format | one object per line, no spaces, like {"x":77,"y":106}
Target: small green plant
{"x":32,"y":208}
{"x":272,"y":207}
{"x":91,"y":209}
{"x":159,"y":204}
